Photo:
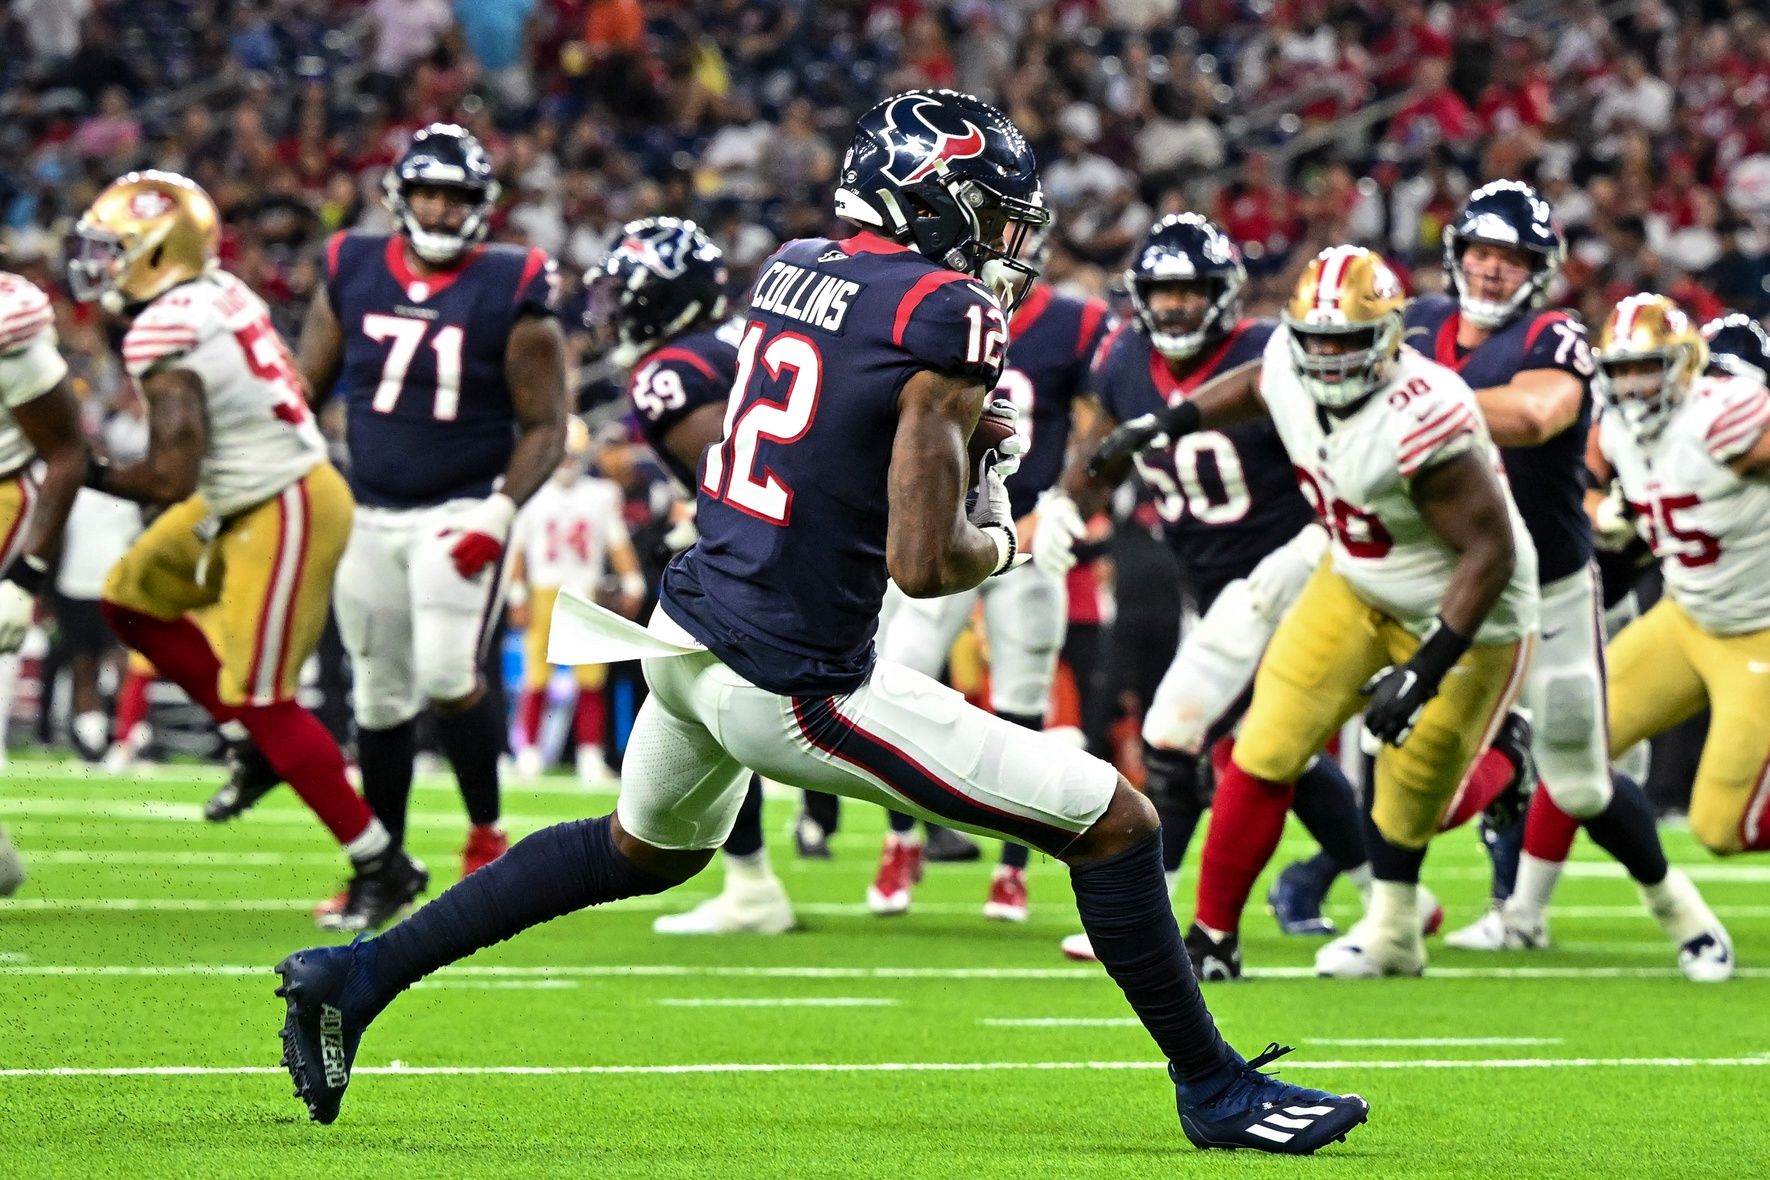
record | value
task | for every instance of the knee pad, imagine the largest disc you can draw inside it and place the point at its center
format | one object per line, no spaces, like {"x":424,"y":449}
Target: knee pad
{"x":1214,"y":666}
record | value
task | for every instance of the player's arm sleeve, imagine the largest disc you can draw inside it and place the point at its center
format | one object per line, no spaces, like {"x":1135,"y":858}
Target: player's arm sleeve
{"x":1741,"y":422}
{"x":953,"y":326}
{"x":1104,"y":384}
{"x":160,"y":336}
{"x":1558,"y":341}
{"x":1439,"y":426}
{"x":537,"y":290}
{"x":673,"y":384}
{"x":30,"y":363}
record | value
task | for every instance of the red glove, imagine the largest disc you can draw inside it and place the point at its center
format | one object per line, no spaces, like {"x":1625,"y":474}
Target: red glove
{"x":480,"y":534}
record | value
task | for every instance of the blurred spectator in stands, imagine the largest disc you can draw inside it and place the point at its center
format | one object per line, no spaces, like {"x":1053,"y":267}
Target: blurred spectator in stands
{"x":1633,"y":97}
{"x":497,"y":31}
{"x":1740,"y":278}
{"x":1434,"y":113}
{"x":404,"y":31}
{"x":111,"y":134}
{"x":52,"y":27}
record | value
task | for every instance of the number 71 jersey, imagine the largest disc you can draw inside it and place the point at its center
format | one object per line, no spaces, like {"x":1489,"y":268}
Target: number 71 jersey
{"x":428,"y":411}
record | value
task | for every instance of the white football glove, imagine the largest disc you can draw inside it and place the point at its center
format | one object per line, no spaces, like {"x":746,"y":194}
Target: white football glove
{"x":1279,"y":578}
{"x":993,"y":514}
{"x":18,"y":605}
{"x":1014,"y":447}
{"x":1613,"y":529}
{"x":1060,"y":527}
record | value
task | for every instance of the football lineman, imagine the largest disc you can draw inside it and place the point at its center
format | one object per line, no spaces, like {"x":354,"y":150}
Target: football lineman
{"x":256,"y":518}
{"x":816,"y":493}
{"x":1691,"y":452}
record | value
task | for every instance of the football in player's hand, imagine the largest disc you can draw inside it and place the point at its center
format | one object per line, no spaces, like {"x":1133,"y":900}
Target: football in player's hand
{"x":990,"y":434}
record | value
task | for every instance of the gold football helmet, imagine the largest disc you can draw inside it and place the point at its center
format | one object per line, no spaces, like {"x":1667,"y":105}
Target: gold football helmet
{"x":144,"y":235}
{"x":1345,"y":325}
{"x":1648,"y":356}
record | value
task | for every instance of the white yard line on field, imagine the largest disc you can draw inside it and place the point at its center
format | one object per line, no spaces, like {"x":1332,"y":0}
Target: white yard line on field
{"x":1369,"y":1042}
{"x":402,"y":1070}
{"x":779,"y":1002}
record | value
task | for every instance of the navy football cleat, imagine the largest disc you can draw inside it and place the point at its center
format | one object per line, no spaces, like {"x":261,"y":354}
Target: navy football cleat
{"x":320,"y":1032}
{"x":1258,"y":1112}
{"x":1296,"y":899}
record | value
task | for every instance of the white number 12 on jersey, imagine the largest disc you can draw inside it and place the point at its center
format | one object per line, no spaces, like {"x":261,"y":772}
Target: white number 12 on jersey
{"x":406,"y":336}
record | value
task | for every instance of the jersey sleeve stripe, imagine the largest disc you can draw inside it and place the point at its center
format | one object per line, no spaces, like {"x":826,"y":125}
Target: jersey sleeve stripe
{"x":1093,"y":312}
{"x":1430,"y":425}
{"x":531,"y":266}
{"x":333,"y":246}
{"x":1541,"y":322}
{"x":1410,"y":459}
{"x":1733,"y":415}
{"x":925,"y":286}
{"x":682,"y":356}
{"x":1741,"y":437}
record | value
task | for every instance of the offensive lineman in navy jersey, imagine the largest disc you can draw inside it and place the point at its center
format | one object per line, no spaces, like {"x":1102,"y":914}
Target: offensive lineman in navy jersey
{"x":660,"y":295}
{"x":1230,"y":502}
{"x":1052,"y":339}
{"x":864,"y":367}
{"x":452,"y":370}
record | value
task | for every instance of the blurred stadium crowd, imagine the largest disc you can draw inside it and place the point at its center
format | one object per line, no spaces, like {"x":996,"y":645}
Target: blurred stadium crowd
{"x":1294,"y":123}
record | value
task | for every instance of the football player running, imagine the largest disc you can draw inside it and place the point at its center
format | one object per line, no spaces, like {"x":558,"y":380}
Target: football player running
{"x":1051,"y":340}
{"x":1691,"y":453}
{"x":658,"y":301}
{"x":256,"y":518}
{"x":1235,"y":518}
{"x":451,"y":365}
{"x":39,"y":421}
{"x":815,"y":496}
{"x":1424,"y":614}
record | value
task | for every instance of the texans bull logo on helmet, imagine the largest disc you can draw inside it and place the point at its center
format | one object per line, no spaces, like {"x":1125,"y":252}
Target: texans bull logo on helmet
{"x":923,"y":145}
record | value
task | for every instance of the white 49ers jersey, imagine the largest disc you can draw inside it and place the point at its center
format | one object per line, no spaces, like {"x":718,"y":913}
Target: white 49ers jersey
{"x":1709,"y":527}
{"x":30,"y":364}
{"x":564,"y":533}
{"x":261,"y":436}
{"x":1358,"y":475}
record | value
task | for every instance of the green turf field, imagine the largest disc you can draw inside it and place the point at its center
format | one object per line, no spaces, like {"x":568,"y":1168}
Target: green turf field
{"x":138,"y":1030}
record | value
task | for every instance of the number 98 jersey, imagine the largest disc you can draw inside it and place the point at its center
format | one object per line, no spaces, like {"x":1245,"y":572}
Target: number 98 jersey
{"x":786,"y":581}
{"x":1227,"y":497}
{"x":429,"y":418}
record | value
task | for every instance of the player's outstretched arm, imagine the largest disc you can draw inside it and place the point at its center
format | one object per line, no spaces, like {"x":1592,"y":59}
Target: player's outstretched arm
{"x":1461,"y":500}
{"x":1227,"y":399}
{"x":534,"y":368}
{"x":178,"y":433}
{"x":931,"y":547}
{"x":1532,"y":408}
{"x":319,"y":354}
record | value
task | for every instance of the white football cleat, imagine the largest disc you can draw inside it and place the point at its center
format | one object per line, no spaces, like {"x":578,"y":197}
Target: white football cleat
{"x":592,"y":770}
{"x":1368,"y":951}
{"x":742,"y":907}
{"x":12,"y":867}
{"x":1077,"y":947}
{"x":529,"y":763}
{"x":1501,"y":930}
{"x":1707,"y":958}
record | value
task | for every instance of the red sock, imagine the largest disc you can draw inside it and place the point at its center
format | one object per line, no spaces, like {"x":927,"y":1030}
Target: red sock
{"x":1222,"y":750}
{"x":587,"y":721}
{"x":1247,"y":819}
{"x":132,"y":701}
{"x":179,"y":652}
{"x":294,"y":742}
{"x":1548,"y":831}
{"x":528,"y":715}
{"x":1490,"y":775}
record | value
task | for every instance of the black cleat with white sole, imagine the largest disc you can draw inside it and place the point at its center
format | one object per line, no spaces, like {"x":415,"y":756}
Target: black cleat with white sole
{"x":1213,"y":959}
{"x":378,"y":892}
{"x":1242,"y":1108}
{"x":320,"y":1030}
{"x":250,"y":777}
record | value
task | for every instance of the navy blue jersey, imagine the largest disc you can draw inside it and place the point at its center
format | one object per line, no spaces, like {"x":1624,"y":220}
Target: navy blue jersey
{"x":674,"y":381}
{"x":785,"y":582}
{"x":1548,"y":480}
{"x":428,"y":414}
{"x":1226,"y":497}
{"x":1051,"y":343}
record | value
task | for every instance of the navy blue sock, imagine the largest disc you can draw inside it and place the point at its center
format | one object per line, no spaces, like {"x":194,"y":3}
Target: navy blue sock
{"x":385,"y":758}
{"x":901,"y":823}
{"x":825,"y":810}
{"x":1625,"y":830}
{"x":1123,"y":901}
{"x":554,"y":872}
{"x":746,"y":833}
{"x":1015,"y":856}
{"x":1504,"y":849}
{"x":1392,"y":862}
{"x":473,"y":740}
{"x":1325,"y":804}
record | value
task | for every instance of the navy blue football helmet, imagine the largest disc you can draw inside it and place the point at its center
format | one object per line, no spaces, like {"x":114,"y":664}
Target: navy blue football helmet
{"x":1187,"y":248}
{"x":445,"y":155}
{"x":666,"y":277}
{"x":1738,"y":346}
{"x":952,"y":178}
{"x":1504,"y":213}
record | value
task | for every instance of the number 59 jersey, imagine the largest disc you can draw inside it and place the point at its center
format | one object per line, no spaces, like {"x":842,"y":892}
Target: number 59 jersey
{"x":786,"y":581}
{"x":261,"y":436}
{"x":1709,"y":526}
{"x":429,"y":418}
{"x":1358,"y":472}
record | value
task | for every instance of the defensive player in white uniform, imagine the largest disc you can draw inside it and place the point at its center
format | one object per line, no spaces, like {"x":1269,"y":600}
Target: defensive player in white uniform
{"x":39,"y":421}
{"x":1423,"y":613}
{"x":569,"y":535}
{"x":256,"y":517}
{"x":1692,"y":455}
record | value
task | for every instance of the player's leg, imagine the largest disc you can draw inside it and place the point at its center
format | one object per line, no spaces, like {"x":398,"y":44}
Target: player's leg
{"x":590,"y":724}
{"x":17,"y":494}
{"x":537,"y":674}
{"x":130,"y":725}
{"x":753,"y":900}
{"x":1307,"y":686}
{"x":1413,"y":786}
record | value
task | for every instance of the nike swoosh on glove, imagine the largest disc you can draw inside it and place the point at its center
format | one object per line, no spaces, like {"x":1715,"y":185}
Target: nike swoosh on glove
{"x":480,"y":534}
{"x":1399,"y":695}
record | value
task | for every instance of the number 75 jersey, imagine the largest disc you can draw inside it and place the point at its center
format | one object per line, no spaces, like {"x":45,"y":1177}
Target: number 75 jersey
{"x":428,"y":413}
{"x":1709,"y":526}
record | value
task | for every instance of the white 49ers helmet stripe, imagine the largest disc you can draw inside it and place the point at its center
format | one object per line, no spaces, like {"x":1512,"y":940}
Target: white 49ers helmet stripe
{"x":1333,"y":272}
{"x":1625,"y":315}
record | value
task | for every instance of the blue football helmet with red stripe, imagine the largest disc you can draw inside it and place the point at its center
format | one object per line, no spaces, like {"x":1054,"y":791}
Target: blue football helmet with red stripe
{"x":951,"y":177}
{"x":442,"y":155}
{"x":1504,"y":213}
{"x":1186,"y":248}
{"x":1738,"y":346}
{"x":664,"y":278}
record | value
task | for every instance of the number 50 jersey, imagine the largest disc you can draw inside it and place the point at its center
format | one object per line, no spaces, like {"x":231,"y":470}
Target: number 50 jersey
{"x":785,"y":583}
{"x":428,"y":411}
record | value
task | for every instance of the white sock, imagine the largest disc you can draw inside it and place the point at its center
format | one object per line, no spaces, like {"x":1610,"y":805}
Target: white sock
{"x":1677,"y":907}
{"x":748,"y":869}
{"x":233,"y":731}
{"x":373,"y":842}
{"x":90,"y":728}
{"x":1216,"y":935}
{"x":909,"y":839}
{"x":1361,"y":880}
{"x":1394,"y":906}
{"x":1536,"y":884}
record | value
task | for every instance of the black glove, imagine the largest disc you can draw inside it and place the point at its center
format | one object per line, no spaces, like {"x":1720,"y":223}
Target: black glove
{"x":1398,"y":695}
{"x":1137,"y":434}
